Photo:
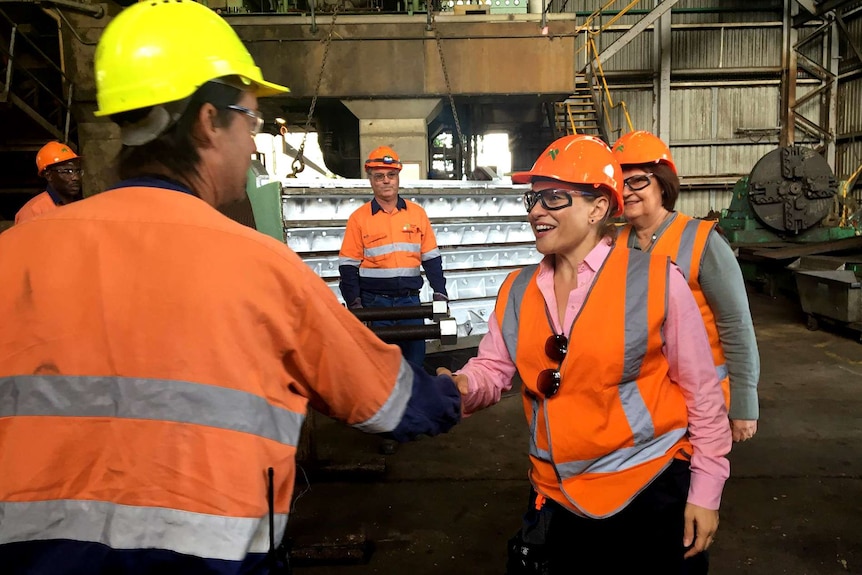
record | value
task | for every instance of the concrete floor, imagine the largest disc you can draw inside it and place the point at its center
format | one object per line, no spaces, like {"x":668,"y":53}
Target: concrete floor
{"x":448,"y":504}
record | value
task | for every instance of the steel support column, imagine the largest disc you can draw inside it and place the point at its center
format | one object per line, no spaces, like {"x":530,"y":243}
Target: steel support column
{"x":661,"y":79}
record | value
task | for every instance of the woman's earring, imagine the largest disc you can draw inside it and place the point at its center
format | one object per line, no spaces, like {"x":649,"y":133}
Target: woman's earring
{"x":592,"y":221}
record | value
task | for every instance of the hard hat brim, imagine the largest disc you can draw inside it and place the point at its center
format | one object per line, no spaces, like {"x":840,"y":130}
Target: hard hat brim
{"x":522,"y":177}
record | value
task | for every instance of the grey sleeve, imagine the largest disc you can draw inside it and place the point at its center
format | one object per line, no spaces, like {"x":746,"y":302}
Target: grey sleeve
{"x":724,"y":289}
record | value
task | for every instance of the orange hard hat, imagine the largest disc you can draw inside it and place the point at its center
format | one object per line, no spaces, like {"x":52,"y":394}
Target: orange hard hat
{"x":579,"y":159}
{"x":53,"y":153}
{"x":642,"y":147}
{"x":383,"y":157}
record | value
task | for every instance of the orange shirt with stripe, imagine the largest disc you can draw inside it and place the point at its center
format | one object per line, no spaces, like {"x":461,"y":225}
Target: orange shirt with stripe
{"x":161,"y":387}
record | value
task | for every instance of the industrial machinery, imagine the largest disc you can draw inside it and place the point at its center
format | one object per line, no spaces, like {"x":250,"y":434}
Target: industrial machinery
{"x":791,"y":195}
{"x":798,"y":230}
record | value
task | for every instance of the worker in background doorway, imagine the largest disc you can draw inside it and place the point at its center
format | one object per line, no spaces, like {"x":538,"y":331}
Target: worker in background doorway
{"x":58,"y":164}
{"x":706,"y":260}
{"x":628,"y":430}
{"x":385,"y":242}
{"x":157,"y":357}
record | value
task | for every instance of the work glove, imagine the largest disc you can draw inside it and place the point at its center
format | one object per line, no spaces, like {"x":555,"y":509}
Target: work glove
{"x":439,"y":297}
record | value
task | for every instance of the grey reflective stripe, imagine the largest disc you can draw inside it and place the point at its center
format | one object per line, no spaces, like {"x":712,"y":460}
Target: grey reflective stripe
{"x":349,"y":262}
{"x":534,"y":446}
{"x":154,"y":399}
{"x":134,"y":527}
{"x":636,"y":336}
{"x":390,"y":414}
{"x":435,"y":253}
{"x":512,"y":313}
{"x":721,"y":371}
{"x":637,"y":414}
{"x":622,"y":459}
{"x":388,"y":272}
{"x":391,"y":248}
{"x":686,"y":247}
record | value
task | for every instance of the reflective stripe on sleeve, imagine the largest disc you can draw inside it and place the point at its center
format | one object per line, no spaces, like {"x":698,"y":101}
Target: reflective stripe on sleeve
{"x":349,"y":262}
{"x":435,"y":253}
{"x":389,"y":415}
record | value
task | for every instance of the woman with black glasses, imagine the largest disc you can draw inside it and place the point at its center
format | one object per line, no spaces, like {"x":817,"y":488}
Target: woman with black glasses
{"x":628,"y":428}
{"x":705,"y":259}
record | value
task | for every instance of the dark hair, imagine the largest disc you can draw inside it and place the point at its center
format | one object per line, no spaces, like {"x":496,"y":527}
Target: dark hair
{"x":668,"y":181}
{"x":175,"y":149}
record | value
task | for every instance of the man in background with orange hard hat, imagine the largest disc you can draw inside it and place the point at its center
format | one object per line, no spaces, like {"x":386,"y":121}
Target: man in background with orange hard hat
{"x":385,"y":242}
{"x":61,"y":166}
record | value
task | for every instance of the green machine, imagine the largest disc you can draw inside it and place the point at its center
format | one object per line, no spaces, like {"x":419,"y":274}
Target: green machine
{"x":791,"y":195}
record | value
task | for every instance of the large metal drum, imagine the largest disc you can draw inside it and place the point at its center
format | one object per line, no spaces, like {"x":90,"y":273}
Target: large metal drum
{"x":791,"y":189}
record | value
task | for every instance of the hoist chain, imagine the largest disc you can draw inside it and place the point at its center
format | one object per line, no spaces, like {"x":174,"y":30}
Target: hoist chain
{"x":298,"y":163}
{"x":446,"y":79}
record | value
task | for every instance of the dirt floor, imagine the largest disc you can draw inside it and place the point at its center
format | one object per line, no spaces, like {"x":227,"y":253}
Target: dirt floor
{"x":448,"y":504}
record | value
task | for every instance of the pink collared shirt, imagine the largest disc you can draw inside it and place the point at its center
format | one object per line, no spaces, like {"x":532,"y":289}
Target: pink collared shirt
{"x":690,"y":366}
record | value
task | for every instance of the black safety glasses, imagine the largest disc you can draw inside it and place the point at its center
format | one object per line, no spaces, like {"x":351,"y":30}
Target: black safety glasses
{"x":638,"y":182}
{"x":552,"y":199}
{"x":548,"y":382}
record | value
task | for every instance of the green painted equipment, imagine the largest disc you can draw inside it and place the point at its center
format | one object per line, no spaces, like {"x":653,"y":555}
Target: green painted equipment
{"x":790,"y":196}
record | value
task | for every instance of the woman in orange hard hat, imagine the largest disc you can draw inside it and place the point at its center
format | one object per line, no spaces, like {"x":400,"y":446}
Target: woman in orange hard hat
{"x":628,"y":432}
{"x":706,"y":260}
{"x":61,"y":166}
{"x":158,"y":357}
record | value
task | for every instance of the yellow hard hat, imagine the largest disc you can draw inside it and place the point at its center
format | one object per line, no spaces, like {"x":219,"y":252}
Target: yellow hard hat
{"x":162,"y":51}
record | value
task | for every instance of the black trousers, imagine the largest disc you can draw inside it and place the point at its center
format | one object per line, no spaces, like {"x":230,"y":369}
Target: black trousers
{"x":645,"y":537}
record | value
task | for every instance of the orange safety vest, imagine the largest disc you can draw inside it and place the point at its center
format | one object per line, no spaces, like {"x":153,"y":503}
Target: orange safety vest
{"x":684,"y":241}
{"x":41,"y":204}
{"x":617,"y":419}
{"x":155,"y":364}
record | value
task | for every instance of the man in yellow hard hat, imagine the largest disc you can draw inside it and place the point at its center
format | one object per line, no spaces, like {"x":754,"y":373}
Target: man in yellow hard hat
{"x":159,"y":360}
{"x":61,"y":166}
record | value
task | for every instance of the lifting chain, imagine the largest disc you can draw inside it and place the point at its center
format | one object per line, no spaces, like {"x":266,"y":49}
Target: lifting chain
{"x":298,"y":163}
{"x":446,"y":79}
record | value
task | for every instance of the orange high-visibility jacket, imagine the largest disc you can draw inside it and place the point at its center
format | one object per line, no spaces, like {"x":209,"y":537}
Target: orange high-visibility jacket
{"x":684,"y":240}
{"x":617,"y":419}
{"x":41,"y":204}
{"x":156,"y":362}
{"x":387,"y":249}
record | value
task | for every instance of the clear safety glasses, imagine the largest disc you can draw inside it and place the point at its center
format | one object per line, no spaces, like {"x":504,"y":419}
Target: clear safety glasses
{"x":255,"y":116}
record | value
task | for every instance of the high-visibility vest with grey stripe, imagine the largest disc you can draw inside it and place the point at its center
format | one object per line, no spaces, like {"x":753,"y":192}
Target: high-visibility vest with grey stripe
{"x":647,"y":444}
{"x":685,"y":249}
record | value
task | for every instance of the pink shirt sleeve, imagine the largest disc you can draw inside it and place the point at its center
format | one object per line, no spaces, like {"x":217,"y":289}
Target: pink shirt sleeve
{"x":490,"y":373}
{"x":691,"y":367}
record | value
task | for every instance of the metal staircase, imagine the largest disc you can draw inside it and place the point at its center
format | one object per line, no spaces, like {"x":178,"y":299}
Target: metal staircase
{"x":35,"y":99}
{"x":578,"y":114}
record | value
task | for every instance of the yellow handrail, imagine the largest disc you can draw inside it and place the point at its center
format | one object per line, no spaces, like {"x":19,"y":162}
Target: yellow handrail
{"x":594,"y":50}
{"x":844,"y":190}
